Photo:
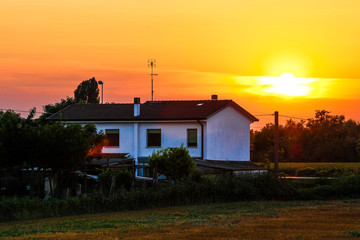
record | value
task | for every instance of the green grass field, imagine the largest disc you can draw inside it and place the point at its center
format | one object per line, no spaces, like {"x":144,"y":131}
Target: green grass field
{"x":332,"y":168}
{"x":241,"y":220}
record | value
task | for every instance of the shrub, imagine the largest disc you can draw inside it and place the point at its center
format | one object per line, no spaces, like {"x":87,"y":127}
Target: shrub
{"x":348,"y":186}
{"x":123,"y":179}
{"x":208,"y":189}
{"x":317,"y":192}
{"x":174,"y":163}
{"x":306,"y":172}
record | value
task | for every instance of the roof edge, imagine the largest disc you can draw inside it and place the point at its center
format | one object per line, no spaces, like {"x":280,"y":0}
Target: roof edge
{"x":239,"y":109}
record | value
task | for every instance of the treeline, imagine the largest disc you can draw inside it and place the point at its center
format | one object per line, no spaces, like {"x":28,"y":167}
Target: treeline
{"x":324,"y":138}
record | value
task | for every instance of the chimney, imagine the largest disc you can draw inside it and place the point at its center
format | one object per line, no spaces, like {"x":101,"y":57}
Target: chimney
{"x":214,"y":97}
{"x":136,"y":107}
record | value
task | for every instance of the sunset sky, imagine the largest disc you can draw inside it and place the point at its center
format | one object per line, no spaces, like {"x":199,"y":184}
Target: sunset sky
{"x":236,"y":49}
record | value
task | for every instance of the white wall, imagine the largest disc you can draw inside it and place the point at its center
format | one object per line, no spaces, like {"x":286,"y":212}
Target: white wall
{"x":126,"y":132}
{"x":172,"y":135}
{"x":228,"y":136}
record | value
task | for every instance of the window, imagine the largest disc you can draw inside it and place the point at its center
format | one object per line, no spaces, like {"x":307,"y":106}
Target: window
{"x":113,"y":137}
{"x":192,"y":137}
{"x":154,"y":137}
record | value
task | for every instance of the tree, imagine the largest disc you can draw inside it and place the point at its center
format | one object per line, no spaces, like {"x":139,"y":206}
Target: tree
{"x":28,"y":143}
{"x":329,"y":138}
{"x":174,"y":163}
{"x":53,"y":108}
{"x":87,"y":91}
{"x":11,"y":137}
{"x":324,"y":138}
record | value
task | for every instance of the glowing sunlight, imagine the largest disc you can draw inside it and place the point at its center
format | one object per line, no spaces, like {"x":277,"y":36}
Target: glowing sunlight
{"x":287,"y":85}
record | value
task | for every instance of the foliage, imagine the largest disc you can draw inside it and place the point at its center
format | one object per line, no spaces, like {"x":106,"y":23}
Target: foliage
{"x":324,"y":138}
{"x":306,"y":172}
{"x":211,"y":189}
{"x":328,"y":169}
{"x":11,"y":137}
{"x":353,"y":233}
{"x":28,"y":143}
{"x":174,"y":163}
{"x":87,"y":91}
{"x":123,"y":179}
{"x":50,"y":109}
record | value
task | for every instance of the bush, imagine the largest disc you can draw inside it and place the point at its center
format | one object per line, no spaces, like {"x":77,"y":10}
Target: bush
{"x":306,"y":172}
{"x":174,"y":163}
{"x":316,"y":192}
{"x":208,"y":189}
{"x":348,"y":186}
{"x":123,"y":179}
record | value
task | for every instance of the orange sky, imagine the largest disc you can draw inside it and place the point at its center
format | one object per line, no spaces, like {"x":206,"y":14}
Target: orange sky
{"x":202,"y":47}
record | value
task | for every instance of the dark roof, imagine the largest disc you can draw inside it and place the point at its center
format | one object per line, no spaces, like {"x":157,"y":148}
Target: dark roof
{"x":156,"y":110}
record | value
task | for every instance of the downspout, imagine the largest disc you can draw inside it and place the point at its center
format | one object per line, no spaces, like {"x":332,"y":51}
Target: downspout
{"x":202,"y":139}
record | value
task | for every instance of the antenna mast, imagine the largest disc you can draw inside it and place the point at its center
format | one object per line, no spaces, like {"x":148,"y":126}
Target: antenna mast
{"x":152,"y":65}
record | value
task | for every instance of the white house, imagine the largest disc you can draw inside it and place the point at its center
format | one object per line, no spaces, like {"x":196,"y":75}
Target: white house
{"x":210,"y":129}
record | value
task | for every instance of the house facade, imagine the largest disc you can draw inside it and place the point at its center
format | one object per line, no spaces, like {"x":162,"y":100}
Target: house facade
{"x":210,"y":129}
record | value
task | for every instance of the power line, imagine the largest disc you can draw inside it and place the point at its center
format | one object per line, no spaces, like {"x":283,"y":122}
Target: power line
{"x":294,"y":117}
{"x":261,"y":115}
{"x":14,"y":110}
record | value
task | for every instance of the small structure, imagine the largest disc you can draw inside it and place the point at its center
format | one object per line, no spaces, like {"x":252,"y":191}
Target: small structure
{"x":212,"y":130}
{"x":233,"y":167}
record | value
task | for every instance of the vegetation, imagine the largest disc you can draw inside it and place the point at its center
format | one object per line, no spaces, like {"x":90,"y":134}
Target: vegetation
{"x":28,"y":143}
{"x":53,"y":108}
{"x":227,"y":188}
{"x":87,"y":91}
{"x":121,"y":179}
{"x":328,"y":169}
{"x":324,"y":138}
{"x":174,"y":163}
{"x":255,"y":220}
{"x":209,"y":190}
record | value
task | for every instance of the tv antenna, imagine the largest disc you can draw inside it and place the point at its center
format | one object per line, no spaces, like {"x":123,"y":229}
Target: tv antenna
{"x":152,"y":65}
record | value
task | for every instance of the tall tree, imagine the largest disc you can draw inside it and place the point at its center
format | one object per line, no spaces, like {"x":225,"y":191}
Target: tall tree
{"x":87,"y":91}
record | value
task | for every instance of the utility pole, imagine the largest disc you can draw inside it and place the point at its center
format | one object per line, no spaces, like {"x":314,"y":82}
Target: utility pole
{"x":152,"y":65}
{"x":276,"y":144}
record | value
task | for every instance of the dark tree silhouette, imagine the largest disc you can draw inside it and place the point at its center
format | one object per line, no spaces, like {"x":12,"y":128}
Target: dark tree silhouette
{"x":87,"y":91}
{"x":324,"y":138}
{"x":50,"y":109}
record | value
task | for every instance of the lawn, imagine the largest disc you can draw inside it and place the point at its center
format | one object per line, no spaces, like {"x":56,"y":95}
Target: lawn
{"x":241,"y":220}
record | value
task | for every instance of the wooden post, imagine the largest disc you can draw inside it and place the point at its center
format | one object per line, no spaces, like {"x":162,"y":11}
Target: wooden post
{"x":112,"y":186}
{"x":276,"y":144}
{"x":85,"y":182}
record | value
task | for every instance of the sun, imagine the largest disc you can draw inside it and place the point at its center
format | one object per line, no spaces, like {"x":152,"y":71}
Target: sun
{"x":287,"y":85}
